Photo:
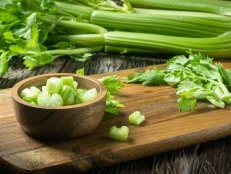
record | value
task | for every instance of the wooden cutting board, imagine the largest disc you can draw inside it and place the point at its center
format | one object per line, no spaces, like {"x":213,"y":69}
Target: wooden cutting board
{"x":165,"y":129}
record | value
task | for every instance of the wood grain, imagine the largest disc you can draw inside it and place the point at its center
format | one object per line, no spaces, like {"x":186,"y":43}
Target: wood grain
{"x":165,"y":129}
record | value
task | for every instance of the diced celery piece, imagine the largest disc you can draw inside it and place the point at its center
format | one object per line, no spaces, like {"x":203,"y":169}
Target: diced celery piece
{"x":44,"y":99}
{"x":119,"y":134}
{"x":44,"y":89}
{"x":79,"y":92}
{"x":53,"y":85}
{"x":56,"y":100}
{"x":67,"y":80}
{"x":89,"y":95}
{"x":30,"y":94}
{"x":68,"y":94}
{"x":75,"y":84}
{"x":136,"y":118}
{"x":24,"y":93}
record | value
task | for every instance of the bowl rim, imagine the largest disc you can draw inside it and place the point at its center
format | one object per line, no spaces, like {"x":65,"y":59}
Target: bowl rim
{"x":102,"y":91}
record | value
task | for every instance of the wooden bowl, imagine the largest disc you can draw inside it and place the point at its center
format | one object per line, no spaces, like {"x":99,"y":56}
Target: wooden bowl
{"x":63,"y":122}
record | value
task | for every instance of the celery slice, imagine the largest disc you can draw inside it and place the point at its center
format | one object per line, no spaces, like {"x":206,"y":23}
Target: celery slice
{"x":88,"y":95}
{"x":119,"y":134}
{"x":80,"y":92}
{"x":53,"y":85}
{"x":43,"y":99}
{"x":30,"y":94}
{"x":67,"y":80}
{"x":56,"y":100}
{"x":68,"y":95}
{"x":75,"y":84}
{"x":136,"y":118}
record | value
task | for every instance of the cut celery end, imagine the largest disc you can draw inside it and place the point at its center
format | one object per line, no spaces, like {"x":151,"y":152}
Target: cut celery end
{"x":136,"y":118}
{"x":68,"y":94}
{"x":30,"y":94}
{"x":43,"y":99}
{"x":89,"y":95}
{"x":79,"y":93}
{"x":53,"y":85}
{"x":119,"y":134}
{"x":75,"y":84}
{"x":24,"y":93}
{"x":67,"y":80}
{"x":56,"y":100}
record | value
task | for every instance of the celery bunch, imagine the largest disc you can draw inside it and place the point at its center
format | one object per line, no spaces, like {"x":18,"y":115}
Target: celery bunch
{"x":40,"y":31}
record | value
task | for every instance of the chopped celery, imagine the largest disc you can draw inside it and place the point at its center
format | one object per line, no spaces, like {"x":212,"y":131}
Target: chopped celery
{"x":24,"y":93}
{"x":80,"y":92}
{"x":53,"y":85}
{"x":68,"y":95}
{"x":30,"y":94}
{"x":43,"y":99}
{"x":118,"y":134}
{"x":56,"y":100}
{"x":88,"y":95}
{"x":75,"y":84}
{"x":67,"y":80}
{"x":136,"y":118}
{"x":61,"y":91}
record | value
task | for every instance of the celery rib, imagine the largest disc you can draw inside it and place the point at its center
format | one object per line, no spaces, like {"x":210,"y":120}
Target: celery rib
{"x":212,"y":6}
{"x":216,"y":46}
{"x":162,"y":24}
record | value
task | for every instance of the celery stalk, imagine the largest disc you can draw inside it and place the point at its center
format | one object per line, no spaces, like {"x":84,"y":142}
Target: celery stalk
{"x":178,"y":25}
{"x":212,"y":6}
{"x":127,"y":41}
{"x":76,"y":10}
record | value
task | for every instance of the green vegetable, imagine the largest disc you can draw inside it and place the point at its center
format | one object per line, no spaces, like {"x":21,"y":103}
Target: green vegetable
{"x":56,"y":100}
{"x":195,"y":77}
{"x":58,"y":92}
{"x":118,"y":134}
{"x":67,"y":80}
{"x":44,"y":99}
{"x":112,"y":83}
{"x":30,"y":94}
{"x":112,"y":105}
{"x":150,"y":43}
{"x":88,"y":95}
{"x":68,"y":94}
{"x":136,"y":118}
{"x":53,"y":85}
{"x":40,"y":31}
{"x":175,"y":24}
{"x":150,"y":77}
{"x":213,"y":6}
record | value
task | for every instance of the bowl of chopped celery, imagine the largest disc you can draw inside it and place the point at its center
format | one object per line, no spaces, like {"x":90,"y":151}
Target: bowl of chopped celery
{"x":59,"y":105}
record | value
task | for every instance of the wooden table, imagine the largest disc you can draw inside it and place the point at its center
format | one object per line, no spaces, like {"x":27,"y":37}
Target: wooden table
{"x":209,"y":157}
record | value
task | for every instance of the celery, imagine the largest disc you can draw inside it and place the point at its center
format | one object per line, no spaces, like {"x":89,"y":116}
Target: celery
{"x":67,"y":80}
{"x":118,"y":134}
{"x":212,"y":6}
{"x":68,"y":95}
{"x":30,"y":94}
{"x":56,"y":100}
{"x":131,"y":42}
{"x":136,"y":118}
{"x":88,"y":95}
{"x":76,"y":10}
{"x":53,"y":85}
{"x":44,"y":99}
{"x":176,"y":25}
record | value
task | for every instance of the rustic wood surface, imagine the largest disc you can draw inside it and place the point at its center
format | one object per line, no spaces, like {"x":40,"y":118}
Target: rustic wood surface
{"x":210,"y":157}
